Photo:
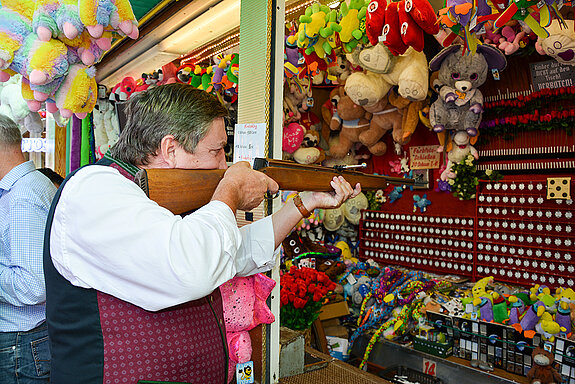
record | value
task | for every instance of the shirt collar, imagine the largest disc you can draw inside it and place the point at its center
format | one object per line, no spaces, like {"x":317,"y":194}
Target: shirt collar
{"x":131,"y":169}
{"x":16,"y":174}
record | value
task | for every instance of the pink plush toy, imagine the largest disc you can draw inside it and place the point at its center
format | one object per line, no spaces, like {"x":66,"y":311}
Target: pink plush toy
{"x":244,"y":301}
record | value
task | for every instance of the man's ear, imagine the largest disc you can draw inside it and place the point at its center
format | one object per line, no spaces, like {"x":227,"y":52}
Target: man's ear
{"x":167,"y":153}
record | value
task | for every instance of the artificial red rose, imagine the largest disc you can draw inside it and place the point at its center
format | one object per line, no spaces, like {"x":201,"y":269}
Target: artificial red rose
{"x":299,"y":303}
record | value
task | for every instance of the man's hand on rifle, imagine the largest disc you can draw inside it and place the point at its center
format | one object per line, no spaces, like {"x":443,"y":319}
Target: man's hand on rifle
{"x":342,"y":191}
{"x":243,"y":188}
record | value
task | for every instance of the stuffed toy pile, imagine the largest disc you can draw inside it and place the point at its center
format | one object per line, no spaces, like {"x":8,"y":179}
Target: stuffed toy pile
{"x":365,"y":48}
{"x":53,"y":45}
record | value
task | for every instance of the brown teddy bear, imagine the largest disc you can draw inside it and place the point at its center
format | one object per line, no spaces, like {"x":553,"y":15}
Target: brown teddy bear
{"x":542,"y":371}
{"x":354,"y":120}
{"x":368,"y":90}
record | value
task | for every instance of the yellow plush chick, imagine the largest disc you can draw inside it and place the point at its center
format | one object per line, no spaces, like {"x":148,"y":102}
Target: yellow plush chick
{"x":479,"y":289}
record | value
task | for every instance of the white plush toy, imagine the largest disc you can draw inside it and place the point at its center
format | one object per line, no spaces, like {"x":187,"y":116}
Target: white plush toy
{"x":106,"y":127}
{"x":13,"y":105}
{"x":408,"y":71}
{"x":461,"y":148}
{"x":560,"y":44}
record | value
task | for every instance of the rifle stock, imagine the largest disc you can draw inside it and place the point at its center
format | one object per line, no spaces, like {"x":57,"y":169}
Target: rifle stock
{"x":183,"y":190}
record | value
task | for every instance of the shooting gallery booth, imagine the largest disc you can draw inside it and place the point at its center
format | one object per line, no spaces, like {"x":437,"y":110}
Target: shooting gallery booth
{"x":458,"y":267}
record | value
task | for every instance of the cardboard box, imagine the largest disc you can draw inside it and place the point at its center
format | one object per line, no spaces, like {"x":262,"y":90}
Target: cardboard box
{"x":337,"y":331}
{"x":333,"y":310}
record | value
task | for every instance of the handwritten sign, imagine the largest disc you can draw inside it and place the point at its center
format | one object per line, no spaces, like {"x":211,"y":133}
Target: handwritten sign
{"x":249,"y":142}
{"x":551,"y":74}
{"x":425,"y":157}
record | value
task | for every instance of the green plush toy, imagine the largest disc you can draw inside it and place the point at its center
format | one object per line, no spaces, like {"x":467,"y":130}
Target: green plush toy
{"x":313,"y":30}
{"x":234,"y":69}
{"x":352,"y":23}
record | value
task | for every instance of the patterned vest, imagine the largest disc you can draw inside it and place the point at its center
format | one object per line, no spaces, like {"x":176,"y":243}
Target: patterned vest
{"x":96,"y":338}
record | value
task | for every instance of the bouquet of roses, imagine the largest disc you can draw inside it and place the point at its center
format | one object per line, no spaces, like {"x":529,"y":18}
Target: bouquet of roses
{"x":302,"y":293}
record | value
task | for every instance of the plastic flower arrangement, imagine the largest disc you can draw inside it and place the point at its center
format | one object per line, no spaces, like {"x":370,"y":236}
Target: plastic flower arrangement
{"x":465,"y":183}
{"x":302,"y":293}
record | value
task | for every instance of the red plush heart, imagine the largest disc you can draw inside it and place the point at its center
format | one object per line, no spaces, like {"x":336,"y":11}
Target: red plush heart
{"x":411,"y":34}
{"x":423,"y":14}
{"x":374,"y":20}
{"x":391,"y":36}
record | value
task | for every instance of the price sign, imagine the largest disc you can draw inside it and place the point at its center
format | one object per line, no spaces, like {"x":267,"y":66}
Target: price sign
{"x":429,"y":367}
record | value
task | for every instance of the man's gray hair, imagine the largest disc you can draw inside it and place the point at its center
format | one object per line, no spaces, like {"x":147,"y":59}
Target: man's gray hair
{"x":173,"y":109}
{"x":9,"y":132}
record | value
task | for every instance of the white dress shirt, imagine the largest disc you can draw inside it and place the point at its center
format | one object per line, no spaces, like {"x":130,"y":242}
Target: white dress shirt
{"x":108,"y":235}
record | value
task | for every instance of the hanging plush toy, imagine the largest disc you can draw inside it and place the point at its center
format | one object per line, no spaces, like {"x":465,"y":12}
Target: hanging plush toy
{"x":461,"y":148}
{"x":460,"y":102}
{"x":560,"y":45}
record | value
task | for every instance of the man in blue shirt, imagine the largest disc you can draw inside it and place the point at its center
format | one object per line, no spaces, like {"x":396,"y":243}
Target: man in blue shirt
{"x":25,"y":198}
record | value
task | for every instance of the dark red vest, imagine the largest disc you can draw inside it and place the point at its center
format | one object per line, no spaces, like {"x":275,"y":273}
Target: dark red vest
{"x":96,"y":338}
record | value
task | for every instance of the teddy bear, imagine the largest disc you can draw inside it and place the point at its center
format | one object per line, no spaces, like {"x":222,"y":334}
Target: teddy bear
{"x":460,"y":102}
{"x":298,"y":93}
{"x":352,"y":208}
{"x":410,"y":112}
{"x":309,"y":151}
{"x":408,"y":71}
{"x":354,"y":120}
{"x":338,"y":69}
{"x":369,"y":90}
{"x":560,"y":44}
{"x":459,"y":151}
{"x":542,"y":371}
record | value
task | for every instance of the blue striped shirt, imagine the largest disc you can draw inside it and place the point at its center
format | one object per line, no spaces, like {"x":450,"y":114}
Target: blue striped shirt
{"x":25,"y":198}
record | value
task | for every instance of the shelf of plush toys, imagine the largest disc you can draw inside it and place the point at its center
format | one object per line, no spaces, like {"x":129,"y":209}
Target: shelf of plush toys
{"x":494,"y":327}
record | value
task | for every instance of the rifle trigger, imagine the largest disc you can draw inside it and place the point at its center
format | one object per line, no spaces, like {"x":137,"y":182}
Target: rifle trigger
{"x":270,"y":196}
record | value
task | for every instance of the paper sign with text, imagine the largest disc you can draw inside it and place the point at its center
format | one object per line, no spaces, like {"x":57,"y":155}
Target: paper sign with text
{"x":425,"y":157}
{"x":249,"y":142}
{"x":551,"y":74}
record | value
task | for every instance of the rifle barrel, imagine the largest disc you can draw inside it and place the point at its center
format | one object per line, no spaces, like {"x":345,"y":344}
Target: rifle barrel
{"x":183,"y":190}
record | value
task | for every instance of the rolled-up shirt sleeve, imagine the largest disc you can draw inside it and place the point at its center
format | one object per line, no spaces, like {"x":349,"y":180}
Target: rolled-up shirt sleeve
{"x":256,"y":248}
{"x":109,"y":236}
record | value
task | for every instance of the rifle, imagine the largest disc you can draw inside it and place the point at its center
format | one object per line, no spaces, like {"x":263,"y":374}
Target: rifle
{"x":183,"y":190}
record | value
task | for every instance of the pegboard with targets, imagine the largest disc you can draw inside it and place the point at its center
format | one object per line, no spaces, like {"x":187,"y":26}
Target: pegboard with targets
{"x":433,"y":243}
{"x":524,"y":237}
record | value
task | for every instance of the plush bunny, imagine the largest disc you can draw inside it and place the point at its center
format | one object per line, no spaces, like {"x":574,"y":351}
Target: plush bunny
{"x":460,"y":102}
{"x":461,"y":148}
